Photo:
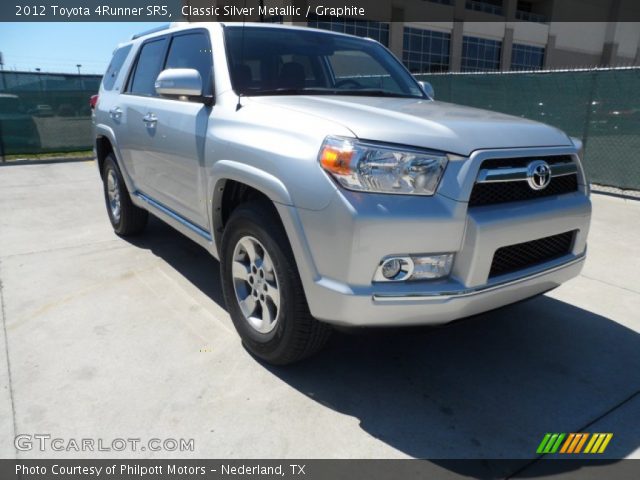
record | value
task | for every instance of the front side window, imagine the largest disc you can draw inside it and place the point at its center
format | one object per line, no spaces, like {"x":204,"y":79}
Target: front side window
{"x":148,"y":68}
{"x":192,"y":51}
{"x":270,"y":61}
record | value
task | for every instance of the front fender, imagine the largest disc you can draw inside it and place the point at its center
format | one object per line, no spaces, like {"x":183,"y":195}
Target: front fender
{"x":276,"y":191}
{"x":264,"y":182}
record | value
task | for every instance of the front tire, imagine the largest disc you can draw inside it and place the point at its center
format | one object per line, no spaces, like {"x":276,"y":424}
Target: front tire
{"x":262,"y":288}
{"x":126,"y":219}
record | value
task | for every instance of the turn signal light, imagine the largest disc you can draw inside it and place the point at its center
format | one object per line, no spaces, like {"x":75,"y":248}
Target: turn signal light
{"x":336,"y":160}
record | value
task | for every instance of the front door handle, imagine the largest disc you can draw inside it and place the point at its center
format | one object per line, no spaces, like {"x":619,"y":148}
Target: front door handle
{"x":115,"y":113}
{"x":150,"y":119}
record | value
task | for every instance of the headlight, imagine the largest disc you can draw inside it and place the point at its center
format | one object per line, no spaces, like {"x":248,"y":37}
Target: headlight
{"x":369,"y":167}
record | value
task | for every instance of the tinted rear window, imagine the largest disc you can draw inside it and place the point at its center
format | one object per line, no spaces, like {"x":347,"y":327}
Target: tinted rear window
{"x":119,"y":56}
{"x":148,"y":68}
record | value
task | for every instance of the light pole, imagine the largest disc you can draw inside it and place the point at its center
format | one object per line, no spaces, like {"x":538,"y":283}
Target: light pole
{"x":39,"y":78}
{"x":40,"y":82}
{"x":1,"y":70}
{"x":81,"y":79}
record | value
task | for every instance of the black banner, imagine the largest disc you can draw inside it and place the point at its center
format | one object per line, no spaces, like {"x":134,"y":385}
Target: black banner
{"x":305,"y":10}
{"x":315,"y":469}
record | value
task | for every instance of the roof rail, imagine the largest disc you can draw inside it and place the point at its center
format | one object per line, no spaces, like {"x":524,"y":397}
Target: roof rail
{"x":153,"y":30}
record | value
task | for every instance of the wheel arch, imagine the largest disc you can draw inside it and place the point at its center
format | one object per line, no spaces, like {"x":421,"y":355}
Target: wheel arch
{"x":103,"y":149}
{"x":233,"y":183}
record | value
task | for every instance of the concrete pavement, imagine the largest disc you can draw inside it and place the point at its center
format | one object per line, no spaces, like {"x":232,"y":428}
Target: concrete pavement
{"x":107,"y":338}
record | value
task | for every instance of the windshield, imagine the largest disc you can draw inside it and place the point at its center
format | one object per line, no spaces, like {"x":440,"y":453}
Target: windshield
{"x":276,"y":61}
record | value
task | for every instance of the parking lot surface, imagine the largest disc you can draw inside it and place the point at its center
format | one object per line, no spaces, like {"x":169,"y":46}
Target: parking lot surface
{"x":108,"y":338}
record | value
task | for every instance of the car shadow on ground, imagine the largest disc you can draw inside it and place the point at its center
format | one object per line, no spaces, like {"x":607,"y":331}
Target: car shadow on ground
{"x":488,"y":387}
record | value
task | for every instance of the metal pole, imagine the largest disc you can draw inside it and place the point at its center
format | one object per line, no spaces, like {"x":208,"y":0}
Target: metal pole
{"x":586,"y":127}
{"x":4,"y":83}
{"x":2,"y":159}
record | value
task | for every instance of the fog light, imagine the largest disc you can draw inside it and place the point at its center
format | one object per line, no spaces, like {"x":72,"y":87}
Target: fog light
{"x":413,"y":267}
{"x":391,"y":268}
{"x":431,"y":266}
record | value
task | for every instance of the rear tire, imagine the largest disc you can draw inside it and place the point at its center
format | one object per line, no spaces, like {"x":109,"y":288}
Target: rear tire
{"x":125,"y":217}
{"x":262,"y":288}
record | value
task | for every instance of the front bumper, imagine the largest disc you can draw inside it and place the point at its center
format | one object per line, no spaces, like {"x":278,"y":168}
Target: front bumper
{"x":435,"y":306}
{"x":338,"y":249}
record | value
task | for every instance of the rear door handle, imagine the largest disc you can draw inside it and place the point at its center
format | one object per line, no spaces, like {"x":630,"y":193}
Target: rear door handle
{"x":150,"y":119}
{"x":115,"y":113}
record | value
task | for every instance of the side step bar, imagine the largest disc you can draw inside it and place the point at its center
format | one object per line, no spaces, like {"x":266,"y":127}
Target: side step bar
{"x":175,"y":216}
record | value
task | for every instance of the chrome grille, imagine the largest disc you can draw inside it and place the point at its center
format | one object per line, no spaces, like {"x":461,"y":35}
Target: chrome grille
{"x":504,"y":180}
{"x":528,"y":254}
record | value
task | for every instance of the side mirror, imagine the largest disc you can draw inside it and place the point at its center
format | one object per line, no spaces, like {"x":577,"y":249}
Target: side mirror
{"x":179,"y":82}
{"x":428,"y":89}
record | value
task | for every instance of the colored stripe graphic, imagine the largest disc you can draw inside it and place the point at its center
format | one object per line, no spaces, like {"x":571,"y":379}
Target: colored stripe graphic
{"x":584,"y":439}
{"x":606,"y":442}
{"x":596,"y":446}
{"x":599,"y":443}
{"x":550,"y":443}
{"x":556,"y":445}
{"x":591,"y":442}
{"x":567,"y":442}
{"x":543,"y":443}
{"x":573,"y":443}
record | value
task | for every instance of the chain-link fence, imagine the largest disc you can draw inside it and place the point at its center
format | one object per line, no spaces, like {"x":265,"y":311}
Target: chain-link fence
{"x":601,"y":107}
{"x":45,"y":112}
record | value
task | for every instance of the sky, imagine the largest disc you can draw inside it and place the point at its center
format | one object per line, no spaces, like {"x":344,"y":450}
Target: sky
{"x":59,"y":47}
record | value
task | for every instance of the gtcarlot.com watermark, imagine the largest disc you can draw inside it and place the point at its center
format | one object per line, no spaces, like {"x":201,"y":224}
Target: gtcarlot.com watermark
{"x":45,"y":442}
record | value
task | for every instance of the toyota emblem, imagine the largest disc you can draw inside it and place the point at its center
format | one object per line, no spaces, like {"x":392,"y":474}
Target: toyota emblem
{"x":538,"y":175}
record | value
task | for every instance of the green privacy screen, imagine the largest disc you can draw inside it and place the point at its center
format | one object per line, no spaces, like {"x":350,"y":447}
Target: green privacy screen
{"x":44,"y":113}
{"x":601,"y":107}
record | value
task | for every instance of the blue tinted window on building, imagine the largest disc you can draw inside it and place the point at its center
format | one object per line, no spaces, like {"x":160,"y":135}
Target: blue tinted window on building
{"x":527,"y":57}
{"x":480,"y":54}
{"x":362,"y":28}
{"x":425,"y":51}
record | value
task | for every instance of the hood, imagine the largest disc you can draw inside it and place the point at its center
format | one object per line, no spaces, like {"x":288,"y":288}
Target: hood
{"x":424,"y":123}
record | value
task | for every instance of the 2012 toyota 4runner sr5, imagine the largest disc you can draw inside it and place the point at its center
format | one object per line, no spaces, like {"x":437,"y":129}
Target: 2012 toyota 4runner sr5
{"x":330,"y":185}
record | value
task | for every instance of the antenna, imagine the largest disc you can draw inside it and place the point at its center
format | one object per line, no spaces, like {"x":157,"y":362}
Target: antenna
{"x":239,"y":105}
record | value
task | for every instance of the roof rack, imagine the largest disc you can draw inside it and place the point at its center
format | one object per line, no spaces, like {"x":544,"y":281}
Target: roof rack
{"x":153,"y":30}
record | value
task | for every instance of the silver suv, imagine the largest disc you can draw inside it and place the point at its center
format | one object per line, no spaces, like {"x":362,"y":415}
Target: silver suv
{"x":330,"y":185}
